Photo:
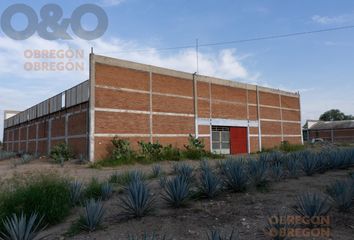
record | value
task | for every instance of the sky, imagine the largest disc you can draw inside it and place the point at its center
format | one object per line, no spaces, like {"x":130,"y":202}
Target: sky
{"x":319,"y":66}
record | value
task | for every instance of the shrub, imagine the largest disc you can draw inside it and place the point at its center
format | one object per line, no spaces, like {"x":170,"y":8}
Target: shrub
{"x":171,"y":153}
{"x":210,"y":183}
{"x":151,"y":151}
{"x":139,"y":201}
{"x":342,"y":194}
{"x":93,"y":189}
{"x":93,"y":215}
{"x":121,"y":153}
{"x":235,"y":176}
{"x":156,"y":170}
{"x":6,"y":155}
{"x":176,"y":191}
{"x":76,"y":190}
{"x":127,"y":177}
{"x":21,"y":228}
{"x":194,"y":149}
{"x":285,"y":146}
{"x":217,"y":235}
{"x":48,"y":195}
{"x":106,"y":191}
{"x":62,"y":151}
{"x":311,"y":205}
{"x":26,"y":158}
{"x":115,"y":178}
{"x":257,"y":170}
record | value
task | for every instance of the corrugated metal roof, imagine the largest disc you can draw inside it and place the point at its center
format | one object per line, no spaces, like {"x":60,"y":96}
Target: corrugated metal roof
{"x":333,"y":125}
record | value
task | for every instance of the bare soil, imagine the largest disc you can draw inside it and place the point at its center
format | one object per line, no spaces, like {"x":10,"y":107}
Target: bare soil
{"x":245,"y":212}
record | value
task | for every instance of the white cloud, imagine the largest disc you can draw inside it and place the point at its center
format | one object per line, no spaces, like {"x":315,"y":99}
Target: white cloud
{"x":32,"y":87}
{"x":111,"y":2}
{"x":329,"y":20}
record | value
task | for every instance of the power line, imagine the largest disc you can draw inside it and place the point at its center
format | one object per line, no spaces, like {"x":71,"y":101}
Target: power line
{"x":278,"y":36}
{"x":270,"y":37}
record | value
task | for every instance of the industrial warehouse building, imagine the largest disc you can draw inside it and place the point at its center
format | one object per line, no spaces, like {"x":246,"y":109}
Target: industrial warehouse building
{"x":331,"y":131}
{"x":145,"y":103}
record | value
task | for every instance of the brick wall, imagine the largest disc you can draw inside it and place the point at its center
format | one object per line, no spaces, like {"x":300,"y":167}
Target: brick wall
{"x":40,"y":135}
{"x":335,"y":135}
{"x":141,"y":102}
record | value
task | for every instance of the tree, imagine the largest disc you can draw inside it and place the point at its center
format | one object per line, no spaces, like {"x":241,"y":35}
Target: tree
{"x":335,"y":115}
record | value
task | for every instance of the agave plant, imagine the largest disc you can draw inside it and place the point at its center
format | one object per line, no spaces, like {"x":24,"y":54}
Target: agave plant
{"x":292,"y":166}
{"x":310,"y":163}
{"x":115,"y":178}
{"x":184,"y":170}
{"x":257,"y":171}
{"x":22,"y":228}
{"x":106,"y":191}
{"x":139,"y":201}
{"x":204,"y":165}
{"x":146,"y":236}
{"x":235,"y":175}
{"x":134,"y":176}
{"x":311,"y":205}
{"x":76,"y":191}
{"x":156,"y":170}
{"x":277,"y":228}
{"x":217,"y":235}
{"x":177,"y":191}
{"x":26,"y":158}
{"x":93,"y":215}
{"x":342,"y":194}
{"x":127,"y":177}
{"x":277,"y":171}
{"x":162,"y":181}
{"x":210,"y":183}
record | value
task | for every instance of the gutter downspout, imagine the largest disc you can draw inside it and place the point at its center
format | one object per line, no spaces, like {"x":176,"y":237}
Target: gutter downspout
{"x":195,"y":97}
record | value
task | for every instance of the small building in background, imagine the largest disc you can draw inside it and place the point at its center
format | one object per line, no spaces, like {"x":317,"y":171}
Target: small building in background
{"x":332,"y":131}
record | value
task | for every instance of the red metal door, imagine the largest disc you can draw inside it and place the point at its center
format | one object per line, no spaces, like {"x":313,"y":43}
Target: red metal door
{"x":238,"y":140}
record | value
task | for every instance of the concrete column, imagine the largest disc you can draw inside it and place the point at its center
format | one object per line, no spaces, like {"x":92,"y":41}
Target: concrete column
{"x":19,"y":139}
{"x":302,"y":137}
{"x":150,"y":106}
{"x":92,"y":109}
{"x":248,"y":123}
{"x":49,"y":139}
{"x":66,"y":127}
{"x":37,"y":127}
{"x":195,"y":96}
{"x":281,"y":119}
{"x":27,"y":136}
{"x":210,"y":117}
{"x":259,"y":121}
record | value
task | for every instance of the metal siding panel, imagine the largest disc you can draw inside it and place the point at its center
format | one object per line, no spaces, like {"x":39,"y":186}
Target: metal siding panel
{"x":79,"y":94}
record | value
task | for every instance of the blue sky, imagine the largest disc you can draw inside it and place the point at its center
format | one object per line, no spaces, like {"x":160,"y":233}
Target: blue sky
{"x":320,"y":66}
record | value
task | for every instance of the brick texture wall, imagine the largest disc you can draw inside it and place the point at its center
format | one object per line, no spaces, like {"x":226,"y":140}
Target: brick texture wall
{"x":153,"y":106}
{"x":40,"y":135}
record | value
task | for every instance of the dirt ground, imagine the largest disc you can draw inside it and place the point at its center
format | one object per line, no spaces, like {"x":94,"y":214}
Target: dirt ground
{"x":244,"y":212}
